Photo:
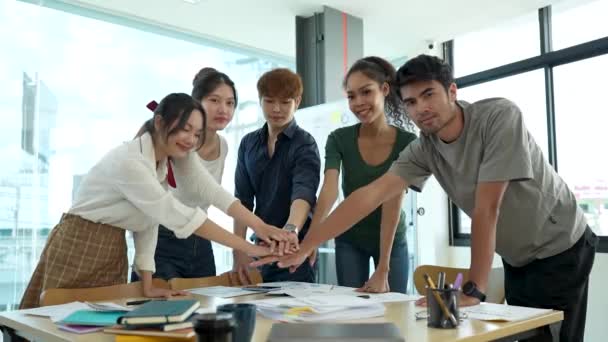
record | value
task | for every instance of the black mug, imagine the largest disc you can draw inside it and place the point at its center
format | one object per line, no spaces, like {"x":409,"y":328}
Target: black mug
{"x":213,"y":327}
{"x":436,"y":317}
{"x":244,"y":314}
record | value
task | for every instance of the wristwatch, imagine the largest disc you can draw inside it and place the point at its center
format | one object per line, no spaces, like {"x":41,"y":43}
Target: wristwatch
{"x":290,"y":227}
{"x":470,"y":289}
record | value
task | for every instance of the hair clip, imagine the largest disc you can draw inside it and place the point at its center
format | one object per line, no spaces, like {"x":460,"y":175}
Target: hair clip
{"x":152,"y":105}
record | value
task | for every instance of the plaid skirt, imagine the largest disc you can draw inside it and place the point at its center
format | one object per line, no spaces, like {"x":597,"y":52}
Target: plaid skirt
{"x":78,"y":254}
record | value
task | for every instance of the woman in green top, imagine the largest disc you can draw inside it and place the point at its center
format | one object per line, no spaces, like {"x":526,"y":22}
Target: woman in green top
{"x":366,"y":151}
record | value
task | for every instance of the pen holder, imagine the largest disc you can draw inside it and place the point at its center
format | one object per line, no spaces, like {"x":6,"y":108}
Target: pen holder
{"x":436,"y":318}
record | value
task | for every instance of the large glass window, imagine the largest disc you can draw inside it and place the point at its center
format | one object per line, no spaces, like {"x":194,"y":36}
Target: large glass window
{"x":71,"y":88}
{"x":504,"y":43}
{"x":575,"y":23}
{"x":581,"y":123}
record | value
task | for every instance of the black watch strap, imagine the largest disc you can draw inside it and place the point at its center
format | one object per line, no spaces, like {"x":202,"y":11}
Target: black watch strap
{"x":470,"y":289}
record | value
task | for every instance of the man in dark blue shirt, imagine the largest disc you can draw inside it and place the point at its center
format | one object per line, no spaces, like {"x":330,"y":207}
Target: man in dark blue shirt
{"x":279,"y":168}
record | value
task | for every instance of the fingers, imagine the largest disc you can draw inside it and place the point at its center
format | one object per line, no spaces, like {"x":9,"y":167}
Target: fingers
{"x":264,"y":261}
{"x":281,"y":248}
{"x":243,"y":275}
{"x":287,"y":247}
{"x":421,"y":301}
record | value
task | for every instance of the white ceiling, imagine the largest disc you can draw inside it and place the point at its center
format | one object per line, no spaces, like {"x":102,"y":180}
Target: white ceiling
{"x":392,"y":28}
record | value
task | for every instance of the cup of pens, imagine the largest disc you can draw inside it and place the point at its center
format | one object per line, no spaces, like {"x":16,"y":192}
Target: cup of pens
{"x":442,"y":305}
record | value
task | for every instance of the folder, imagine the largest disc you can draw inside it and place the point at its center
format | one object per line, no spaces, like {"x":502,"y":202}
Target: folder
{"x":92,"y":318}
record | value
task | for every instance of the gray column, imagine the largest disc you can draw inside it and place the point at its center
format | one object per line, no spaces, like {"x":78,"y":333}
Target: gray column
{"x":327,"y":43}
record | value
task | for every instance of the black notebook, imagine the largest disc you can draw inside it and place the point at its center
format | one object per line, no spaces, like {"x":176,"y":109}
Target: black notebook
{"x":157,"y":312}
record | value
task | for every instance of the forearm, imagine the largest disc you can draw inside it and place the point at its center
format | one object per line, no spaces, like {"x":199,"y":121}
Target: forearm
{"x":243,"y":217}
{"x":327,"y":198}
{"x":211,"y":231}
{"x":391,"y":212}
{"x":354,"y":208}
{"x":298,"y":212}
{"x":239,"y":229}
{"x":483,"y":243}
{"x":146,"y":280}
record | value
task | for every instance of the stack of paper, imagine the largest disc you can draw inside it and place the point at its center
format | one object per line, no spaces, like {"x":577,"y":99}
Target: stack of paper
{"x":80,"y":318}
{"x":501,"y":312}
{"x":319,"y":308}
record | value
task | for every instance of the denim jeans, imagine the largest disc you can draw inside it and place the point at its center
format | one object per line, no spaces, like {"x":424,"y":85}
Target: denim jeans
{"x":181,"y":258}
{"x":352,"y":264}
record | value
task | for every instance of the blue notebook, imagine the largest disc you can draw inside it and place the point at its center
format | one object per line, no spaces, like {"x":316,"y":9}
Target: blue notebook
{"x":165,"y":311}
{"x":93,"y":318}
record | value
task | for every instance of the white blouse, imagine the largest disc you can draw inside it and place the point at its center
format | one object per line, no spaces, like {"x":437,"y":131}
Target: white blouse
{"x":125,"y":189}
{"x":216,"y":167}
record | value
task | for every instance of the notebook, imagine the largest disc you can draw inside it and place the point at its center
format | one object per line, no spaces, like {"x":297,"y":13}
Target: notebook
{"x":150,"y":332}
{"x":171,"y":311}
{"x":188,"y":323}
{"x":335,"y":332}
{"x":92,"y":318}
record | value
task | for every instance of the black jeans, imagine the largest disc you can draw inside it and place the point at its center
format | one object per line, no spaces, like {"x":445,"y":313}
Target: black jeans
{"x":560,"y":282}
{"x":181,"y":258}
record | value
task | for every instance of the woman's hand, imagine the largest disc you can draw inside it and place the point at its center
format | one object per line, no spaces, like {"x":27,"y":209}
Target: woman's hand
{"x":154,"y":292}
{"x":378,"y":283}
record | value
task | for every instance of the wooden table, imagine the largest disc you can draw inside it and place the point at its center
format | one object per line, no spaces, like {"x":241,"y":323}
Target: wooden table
{"x":402,"y":314}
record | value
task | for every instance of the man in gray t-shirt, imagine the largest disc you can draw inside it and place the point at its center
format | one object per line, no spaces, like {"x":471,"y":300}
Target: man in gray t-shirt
{"x":538,"y":216}
{"x":491,"y":167}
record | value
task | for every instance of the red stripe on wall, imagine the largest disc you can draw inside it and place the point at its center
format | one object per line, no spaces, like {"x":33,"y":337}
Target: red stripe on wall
{"x":344,"y":43}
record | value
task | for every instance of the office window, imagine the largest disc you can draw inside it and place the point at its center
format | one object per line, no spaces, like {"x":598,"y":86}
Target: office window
{"x":581,"y":123}
{"x":528,"y":92}
{"x":500,"y":44}
{"x":575,"y":23}
{"x":72,"y":88}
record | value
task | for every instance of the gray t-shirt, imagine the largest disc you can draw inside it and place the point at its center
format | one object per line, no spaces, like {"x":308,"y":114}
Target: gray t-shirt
{"x":539,"y":216}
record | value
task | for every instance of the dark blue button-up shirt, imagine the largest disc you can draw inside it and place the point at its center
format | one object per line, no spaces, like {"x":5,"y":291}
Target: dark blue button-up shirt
{"x":292,"y":173}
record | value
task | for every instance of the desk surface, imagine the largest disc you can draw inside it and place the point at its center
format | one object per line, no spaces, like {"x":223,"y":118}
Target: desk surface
{"x":402,"y":314}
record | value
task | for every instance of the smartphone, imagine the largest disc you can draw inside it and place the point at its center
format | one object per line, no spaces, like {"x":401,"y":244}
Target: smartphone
{"x":260,"y":288}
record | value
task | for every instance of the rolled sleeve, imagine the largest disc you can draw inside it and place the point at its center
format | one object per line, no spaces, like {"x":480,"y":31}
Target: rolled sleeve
{"x":306,"y":173}
{"x":411,"y":166}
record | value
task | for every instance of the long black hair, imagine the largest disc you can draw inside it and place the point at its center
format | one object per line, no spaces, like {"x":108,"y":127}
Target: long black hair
{"x":381,"y":71}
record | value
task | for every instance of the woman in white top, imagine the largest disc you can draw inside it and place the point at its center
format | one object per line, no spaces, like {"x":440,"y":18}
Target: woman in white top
{"x":128,"y":189}
{"x":193,"y":257}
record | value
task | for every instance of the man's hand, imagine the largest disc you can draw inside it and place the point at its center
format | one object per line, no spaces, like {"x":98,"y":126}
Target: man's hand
{"x":378,"y":283}
{"x":240,"y":266}
{"x":465,"y":300}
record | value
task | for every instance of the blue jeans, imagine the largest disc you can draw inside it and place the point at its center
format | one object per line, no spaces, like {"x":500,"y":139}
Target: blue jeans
{"x":352,"y":265}
{"x":181,"y":258}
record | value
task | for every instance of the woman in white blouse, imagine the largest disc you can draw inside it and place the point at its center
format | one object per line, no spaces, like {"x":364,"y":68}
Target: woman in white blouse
{"x":193,"y":257}
{"x":128,"y":190}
